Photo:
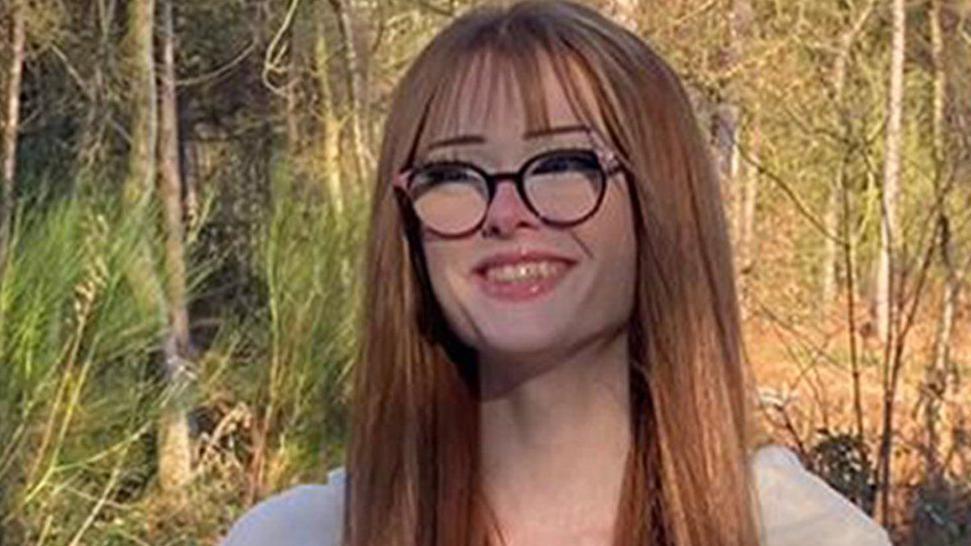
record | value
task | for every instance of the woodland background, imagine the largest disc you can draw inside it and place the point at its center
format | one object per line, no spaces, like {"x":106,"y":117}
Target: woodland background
{"x":184,"y":187}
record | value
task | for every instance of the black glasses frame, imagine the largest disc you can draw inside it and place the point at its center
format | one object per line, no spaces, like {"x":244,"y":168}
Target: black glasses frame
{"x":607,"y":161}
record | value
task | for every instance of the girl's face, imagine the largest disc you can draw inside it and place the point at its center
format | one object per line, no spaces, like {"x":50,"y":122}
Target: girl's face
{"x":516,"y":288}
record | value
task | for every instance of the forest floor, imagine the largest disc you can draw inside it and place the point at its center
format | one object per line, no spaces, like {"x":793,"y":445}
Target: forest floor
{"x":806,"y":394}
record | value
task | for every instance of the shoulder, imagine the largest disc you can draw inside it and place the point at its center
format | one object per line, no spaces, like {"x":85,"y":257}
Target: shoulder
{"x":797,"y":507}
{"x":305,"y":515}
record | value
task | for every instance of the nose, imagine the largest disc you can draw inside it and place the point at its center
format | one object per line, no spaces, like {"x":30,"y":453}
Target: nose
{"x":507,"y":212}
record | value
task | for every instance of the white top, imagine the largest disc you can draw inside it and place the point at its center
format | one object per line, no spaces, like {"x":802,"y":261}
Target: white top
{"x":798,"y":508}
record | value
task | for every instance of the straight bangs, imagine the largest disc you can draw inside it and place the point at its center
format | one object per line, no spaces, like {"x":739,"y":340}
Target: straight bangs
{"x":497,"y":64}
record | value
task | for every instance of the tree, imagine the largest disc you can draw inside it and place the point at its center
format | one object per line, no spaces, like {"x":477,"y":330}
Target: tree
{"x":884,"y":299}
{"x":142,"y":166}
{"x":175,"y":460}
{"x":11,"y":127}
{"x":174,"y":456}
{"x":939,"y":373}
{"x":354,"y":77}
{"x":889,"y":230}
{"x":329,"y":124}
{"x":96,"y":116}
{"x":743,"y":178}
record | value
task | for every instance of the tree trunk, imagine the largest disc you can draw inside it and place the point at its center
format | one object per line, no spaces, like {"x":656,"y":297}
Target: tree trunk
{"x":744,"y":178}
{"x":354,"y":77}
{"x":749,"y":181}
{"x":295,"y":141}
{"x":92,"y":150}
{"x":140,"y":183}
{"x":891,"y":178}
{"x":152,"y":295}
{"x":738,"y":182}
{"x":329,"y":123}
{"x":175,"y":453}
{"x":11,"y":127}
{"x":938,"y":372}
{"x":725,"y":133}
{"x":190,"y":180}
{"x":885,"y":280}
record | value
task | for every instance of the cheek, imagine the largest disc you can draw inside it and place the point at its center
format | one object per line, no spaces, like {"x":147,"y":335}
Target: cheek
{"x":614,"y":228}
{"x":443,"y":268}
{"x":439,"y":253}
{"x":435,"y":274}
{"x":437,"y":261}
{"x":614,"y":237}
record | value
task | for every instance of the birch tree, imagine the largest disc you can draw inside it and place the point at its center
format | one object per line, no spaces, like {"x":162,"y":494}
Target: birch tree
{"x":891,"y":177}
{"x":889,"y":230}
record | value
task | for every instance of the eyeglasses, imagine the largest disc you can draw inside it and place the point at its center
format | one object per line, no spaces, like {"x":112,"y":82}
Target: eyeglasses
{"x":562,"y":187}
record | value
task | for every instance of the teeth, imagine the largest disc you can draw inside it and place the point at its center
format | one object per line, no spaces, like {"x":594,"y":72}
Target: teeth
{"x":523,"y":272}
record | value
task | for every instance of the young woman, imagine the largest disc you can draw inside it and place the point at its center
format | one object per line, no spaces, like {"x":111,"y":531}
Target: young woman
{"x":551,"y":348}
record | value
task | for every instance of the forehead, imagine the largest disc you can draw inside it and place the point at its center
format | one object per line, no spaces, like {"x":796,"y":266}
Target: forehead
{"x":506,"y":93}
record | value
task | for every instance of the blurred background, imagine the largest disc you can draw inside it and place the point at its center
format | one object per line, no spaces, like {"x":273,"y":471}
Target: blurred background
{"x":184,"y":195}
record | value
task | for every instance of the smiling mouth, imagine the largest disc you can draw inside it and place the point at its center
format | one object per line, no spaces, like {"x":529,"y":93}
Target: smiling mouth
{"x":522,"y":280}
{"x":524,"y":271}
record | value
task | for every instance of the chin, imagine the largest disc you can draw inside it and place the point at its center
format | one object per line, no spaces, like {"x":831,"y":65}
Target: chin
{"x":519,"y":345}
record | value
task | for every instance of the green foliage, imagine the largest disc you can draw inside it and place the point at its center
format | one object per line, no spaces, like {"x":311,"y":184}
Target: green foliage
{"x":76,"y":351}
{"x":301,"y":343}
{"x":80,"y":380}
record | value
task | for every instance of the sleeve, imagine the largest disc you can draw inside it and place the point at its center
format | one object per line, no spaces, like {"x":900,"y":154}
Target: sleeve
{"x":306,"y":515}
{"x":798,"y":508}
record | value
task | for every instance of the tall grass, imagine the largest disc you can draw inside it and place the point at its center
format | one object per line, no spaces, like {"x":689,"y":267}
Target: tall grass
{"x":273,"y":386}
{"x":74,"y":383}
{"x":80,"y":389}
{"x":308,"y":264}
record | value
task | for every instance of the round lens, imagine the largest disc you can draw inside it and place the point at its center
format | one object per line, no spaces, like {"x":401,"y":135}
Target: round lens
{"x":449,"y":198}
{"x":565,"y":186}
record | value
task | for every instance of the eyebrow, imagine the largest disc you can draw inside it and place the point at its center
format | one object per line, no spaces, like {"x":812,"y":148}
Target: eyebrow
{"x":528,"y":135}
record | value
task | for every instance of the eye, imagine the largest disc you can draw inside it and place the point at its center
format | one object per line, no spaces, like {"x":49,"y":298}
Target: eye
{"x":443,"y":174}
{"x":438,"y":177}
{"x":567,"y":161}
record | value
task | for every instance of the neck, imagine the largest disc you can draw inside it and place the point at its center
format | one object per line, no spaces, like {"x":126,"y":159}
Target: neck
{"x":555,"y":439}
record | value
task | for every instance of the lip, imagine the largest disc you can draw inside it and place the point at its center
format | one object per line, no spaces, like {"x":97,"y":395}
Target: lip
{"x":520,"y":291}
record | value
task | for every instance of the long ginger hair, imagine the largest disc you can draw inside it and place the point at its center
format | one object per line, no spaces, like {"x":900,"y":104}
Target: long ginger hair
{"x":412,"y":461}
